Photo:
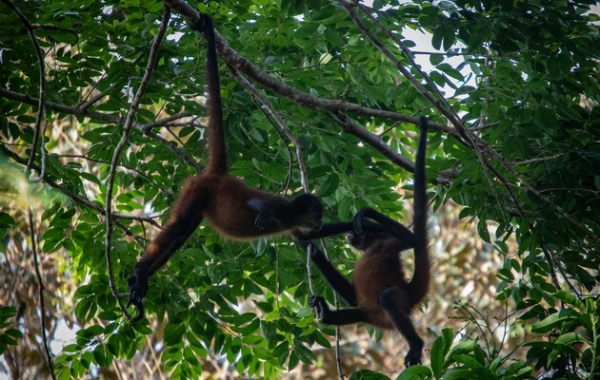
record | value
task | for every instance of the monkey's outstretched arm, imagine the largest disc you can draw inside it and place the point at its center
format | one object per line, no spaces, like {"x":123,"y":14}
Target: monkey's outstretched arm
{"x":393,"y":227}
{"x":339,"y":283}
{"x":337,"y":228}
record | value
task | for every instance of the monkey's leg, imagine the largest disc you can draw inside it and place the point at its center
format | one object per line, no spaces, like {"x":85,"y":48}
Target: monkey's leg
{"x":337,"y":317}
{"x":186,"y":215}
{"x":393,"y":227}
{"x":395,"y":303}
{"x":339,"y":283}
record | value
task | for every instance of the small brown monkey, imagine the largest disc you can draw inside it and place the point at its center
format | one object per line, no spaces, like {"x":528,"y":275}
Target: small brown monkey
{"x":379,"y":293}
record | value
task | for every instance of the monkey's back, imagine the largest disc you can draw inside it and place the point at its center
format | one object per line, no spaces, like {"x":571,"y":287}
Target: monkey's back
{"x":378,"y":269}
{"x":227,"y":209}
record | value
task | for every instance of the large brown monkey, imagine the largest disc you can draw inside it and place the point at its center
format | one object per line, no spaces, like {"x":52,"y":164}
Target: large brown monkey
{"x":233,"y":209}
{"x":379,"y":292}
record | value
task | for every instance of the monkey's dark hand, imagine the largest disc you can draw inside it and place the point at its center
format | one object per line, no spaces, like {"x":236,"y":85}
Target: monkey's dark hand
{"x":264,"y":218}
{"x":305,"y":244}
{"x":264,"y":214}
{"x":320,"y":306}
{"x":138,"y":287}
{"x":414,"y":354}
{"x":359,"y":220}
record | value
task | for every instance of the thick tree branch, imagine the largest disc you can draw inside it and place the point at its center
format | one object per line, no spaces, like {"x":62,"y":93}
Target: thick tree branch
{"x":235,"y":59}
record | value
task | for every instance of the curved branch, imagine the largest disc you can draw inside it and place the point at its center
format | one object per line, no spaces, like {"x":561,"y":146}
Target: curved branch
{"x":81,"y":200}
{"x":129,"y":121}
{"x":105,"y":117}
{"x":42,"y":91}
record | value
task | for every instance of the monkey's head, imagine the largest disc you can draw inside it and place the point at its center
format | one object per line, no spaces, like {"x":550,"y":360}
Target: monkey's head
{"x":309,"y":209}
{"x":375,"y":238}
{"x":366,"y":240}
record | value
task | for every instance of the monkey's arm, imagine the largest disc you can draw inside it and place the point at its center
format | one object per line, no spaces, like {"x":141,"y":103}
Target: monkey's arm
{"x":393,"y":227}
{"x":337,"y":228}
{"x":337,"y":317}
{"x":339,"y":283}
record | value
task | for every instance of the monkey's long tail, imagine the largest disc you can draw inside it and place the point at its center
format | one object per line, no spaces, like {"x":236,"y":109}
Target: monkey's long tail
{"x":217,"y":157}
{"x":419,"y":285}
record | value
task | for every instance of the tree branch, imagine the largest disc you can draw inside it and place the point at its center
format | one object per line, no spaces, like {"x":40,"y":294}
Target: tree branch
{"x":42,"y":91}
{"x":233,"y":58}
{"x":108,"y":118}
{"x":129,"y":121}
{"x":41,"y":295}
{"x":83,"y":201}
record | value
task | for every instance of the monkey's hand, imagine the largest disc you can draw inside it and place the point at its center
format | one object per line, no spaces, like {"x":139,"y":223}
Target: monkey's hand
{"x":414,"y":353}
{"x":264,"y":214}
{"x":359,"y":220}
{"x":138,"y":287}
{"x":305,"y":244}
{"x":320,"y":306}
{"x":264,"y":218}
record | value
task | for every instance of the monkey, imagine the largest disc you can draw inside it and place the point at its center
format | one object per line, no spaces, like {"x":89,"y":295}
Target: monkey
{"x":235,"y":210}
{"x":379,"y":293}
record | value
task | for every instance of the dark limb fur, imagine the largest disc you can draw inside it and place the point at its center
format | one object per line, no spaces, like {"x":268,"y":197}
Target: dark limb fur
{"x":337,"y":317}
{"x":391,"y":226}
{"x":336,"y":228}
{"x":233,"y":209}
{"x":395,"y":302}
{"x":338,"y":283}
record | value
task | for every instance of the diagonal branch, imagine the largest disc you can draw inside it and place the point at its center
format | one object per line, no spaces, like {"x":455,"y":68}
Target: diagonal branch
{"x":84,"y":201}
{"x":235,"y":59}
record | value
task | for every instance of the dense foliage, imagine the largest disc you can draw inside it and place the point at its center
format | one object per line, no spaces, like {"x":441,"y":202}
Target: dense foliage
{"x":514,"y":145}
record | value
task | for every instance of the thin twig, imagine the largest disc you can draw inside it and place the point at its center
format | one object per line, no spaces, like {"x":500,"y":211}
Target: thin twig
{"x":409,"y":56}
{"x":550,"y":257}
{"x":42,"y":93}
{"x":135,"y":103}
{"x":41,"y":295}
{"x":280,"y":122}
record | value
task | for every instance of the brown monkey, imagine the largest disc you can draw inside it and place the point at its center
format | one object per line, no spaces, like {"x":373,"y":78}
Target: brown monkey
{"x":234,"y":210}
{"x":379,"y":293}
